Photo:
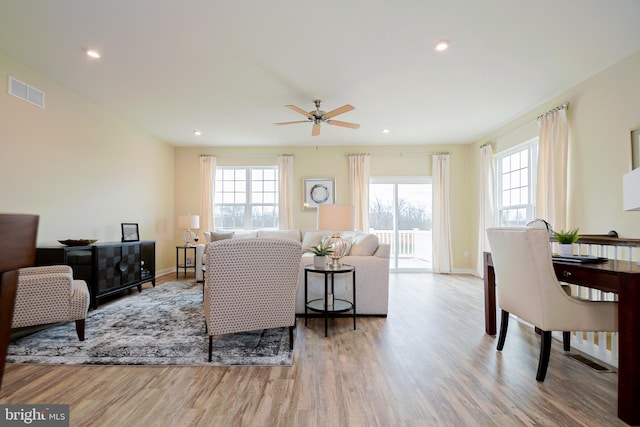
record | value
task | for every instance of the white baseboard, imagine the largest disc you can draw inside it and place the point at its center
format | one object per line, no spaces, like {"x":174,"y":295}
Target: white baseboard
{"x":165,"y":271}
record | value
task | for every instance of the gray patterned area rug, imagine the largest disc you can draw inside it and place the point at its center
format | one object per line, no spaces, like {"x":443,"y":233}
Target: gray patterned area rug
{"x":160,"y":326}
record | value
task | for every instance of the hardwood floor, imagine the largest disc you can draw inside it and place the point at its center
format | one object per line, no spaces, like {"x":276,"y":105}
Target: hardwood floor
{"x":428,"y":363}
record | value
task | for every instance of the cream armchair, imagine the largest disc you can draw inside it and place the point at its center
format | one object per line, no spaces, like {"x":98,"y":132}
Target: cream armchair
{"x":50,"y":295}
{"x":529,"y":289}
{"x":250,"y":284}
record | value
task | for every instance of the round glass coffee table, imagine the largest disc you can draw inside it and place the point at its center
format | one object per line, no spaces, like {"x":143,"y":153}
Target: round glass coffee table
{"x":329,"y":306}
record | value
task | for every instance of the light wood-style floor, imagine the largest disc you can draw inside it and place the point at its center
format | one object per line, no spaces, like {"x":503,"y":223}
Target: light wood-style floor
{"x":428,"y":363}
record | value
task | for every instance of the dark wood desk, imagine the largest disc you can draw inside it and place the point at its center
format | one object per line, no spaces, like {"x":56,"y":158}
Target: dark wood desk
{"x":621,"y":277}
{"x":18,"y":234}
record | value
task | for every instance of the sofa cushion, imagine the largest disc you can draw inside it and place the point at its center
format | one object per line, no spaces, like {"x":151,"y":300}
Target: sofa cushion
{"x":221,"y":235}
{"x":363,"y":244}
{"x":214,"y":236}
{"x":279,"y":234}
{"x":250,"y":234}
{"x":311,"y":239}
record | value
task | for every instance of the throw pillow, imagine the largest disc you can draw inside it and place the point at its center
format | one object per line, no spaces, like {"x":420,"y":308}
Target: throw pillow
{"x":279,"y":234}
{"x":364,"y":244}
{"x":249,"y":234}
{"x":221,"y":235}
{"x":311,"y":239}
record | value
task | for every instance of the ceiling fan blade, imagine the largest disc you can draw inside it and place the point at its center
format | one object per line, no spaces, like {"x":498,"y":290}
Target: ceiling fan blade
{"x":343,"y":124}
{"x":340,"y":110}
{"x":299,"y":110}
{"x":291,"y":123}
{"x":315,"y":131}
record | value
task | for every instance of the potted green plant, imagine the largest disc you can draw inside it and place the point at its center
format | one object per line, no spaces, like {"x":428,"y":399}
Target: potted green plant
{"x":565,"y":240}
{"x":320,"y":252}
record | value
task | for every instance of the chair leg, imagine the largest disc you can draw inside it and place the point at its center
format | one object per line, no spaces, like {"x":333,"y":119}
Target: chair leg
{"x":545,"y":351}
{"x":566,"y":341}
{"x":566,"y":335}
{"x":504,"y":324}
{"x":210,"y":347}
{"x":80,"y":329}
{"x":290,"y":337}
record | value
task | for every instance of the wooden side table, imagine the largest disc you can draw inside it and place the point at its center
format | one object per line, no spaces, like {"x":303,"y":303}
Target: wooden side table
{"x":327,"y":306}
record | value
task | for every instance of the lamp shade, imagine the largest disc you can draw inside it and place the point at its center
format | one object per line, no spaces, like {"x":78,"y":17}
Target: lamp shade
{"x":335,"y":217}
{"x":189,"y":221}
{"x":631,"y":190}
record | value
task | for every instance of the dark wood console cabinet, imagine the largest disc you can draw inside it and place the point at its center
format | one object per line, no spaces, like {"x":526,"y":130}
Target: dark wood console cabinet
{"x":107,"y":268}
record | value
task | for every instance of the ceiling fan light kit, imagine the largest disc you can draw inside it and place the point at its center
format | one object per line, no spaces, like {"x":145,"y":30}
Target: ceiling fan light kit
{"x":317,"y":117}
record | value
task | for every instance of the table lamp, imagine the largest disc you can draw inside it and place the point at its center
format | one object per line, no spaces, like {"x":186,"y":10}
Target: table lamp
{"x":337,"y":218}
{"x":189,"y":222}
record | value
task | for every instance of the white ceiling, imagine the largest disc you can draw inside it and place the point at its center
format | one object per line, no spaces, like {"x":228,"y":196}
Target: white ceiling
{"x":229,"y":67}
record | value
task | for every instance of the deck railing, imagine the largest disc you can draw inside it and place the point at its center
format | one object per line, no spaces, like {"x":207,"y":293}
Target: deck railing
{"x":411,"y":243}
{"x":406,"y":240}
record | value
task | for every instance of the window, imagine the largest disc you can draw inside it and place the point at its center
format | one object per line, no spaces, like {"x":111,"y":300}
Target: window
{"x":246,"y":197}
{"x":516,"y":177}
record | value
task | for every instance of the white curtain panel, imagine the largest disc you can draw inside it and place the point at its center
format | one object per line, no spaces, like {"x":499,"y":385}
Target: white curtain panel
{"x":551,"y":199}
{"x":207,"y":182}
{"x":359,"y":172}
{"x":285,"y":192}
{"x":486,"y":208}
{"x":442,"y":252}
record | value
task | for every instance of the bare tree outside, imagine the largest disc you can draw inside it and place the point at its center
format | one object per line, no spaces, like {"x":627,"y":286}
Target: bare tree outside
{"x":410,"y":216}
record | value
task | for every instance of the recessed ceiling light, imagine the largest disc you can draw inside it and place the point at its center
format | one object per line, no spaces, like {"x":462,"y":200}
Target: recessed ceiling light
{"x":93,"y":53}
{"x":442,"y":45}
{"x":197,"y":132}
{"x":385,"y":131}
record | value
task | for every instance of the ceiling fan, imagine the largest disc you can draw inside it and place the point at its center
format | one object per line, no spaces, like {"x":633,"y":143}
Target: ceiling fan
{"x":318,"y":116}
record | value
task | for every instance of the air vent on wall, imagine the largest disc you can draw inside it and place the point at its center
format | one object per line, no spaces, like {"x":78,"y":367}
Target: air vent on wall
{"x":26,"y":92}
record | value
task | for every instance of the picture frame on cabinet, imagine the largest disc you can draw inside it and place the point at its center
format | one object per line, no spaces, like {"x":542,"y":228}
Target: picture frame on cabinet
{"x":130,"y":232}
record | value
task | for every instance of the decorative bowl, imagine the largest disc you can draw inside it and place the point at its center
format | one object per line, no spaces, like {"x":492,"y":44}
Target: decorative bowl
{"x":77,"y":242}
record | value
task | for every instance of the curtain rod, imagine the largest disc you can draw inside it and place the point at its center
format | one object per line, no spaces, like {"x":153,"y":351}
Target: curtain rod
{"x":399,"y":154}
{"x":560,"y":107}
{"x":553,"y":110}
{"x":244,"y":155}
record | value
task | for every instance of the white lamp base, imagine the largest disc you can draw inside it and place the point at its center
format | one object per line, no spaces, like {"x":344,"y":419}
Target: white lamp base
{"x":188,"y":236}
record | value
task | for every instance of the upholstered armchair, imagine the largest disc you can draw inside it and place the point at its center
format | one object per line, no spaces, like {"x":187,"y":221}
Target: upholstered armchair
{"x":50,"y":295}
{"x":528,"y":288}
{"x":250,"y":284}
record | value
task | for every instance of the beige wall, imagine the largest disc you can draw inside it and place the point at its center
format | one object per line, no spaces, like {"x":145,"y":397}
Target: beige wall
{"x":85,"y":170}
{"x":82,"y":169}
{"x":602,"y":111}
{"x":327,"y":161}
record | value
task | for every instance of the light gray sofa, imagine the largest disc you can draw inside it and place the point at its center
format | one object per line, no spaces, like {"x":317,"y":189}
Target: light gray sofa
{"x":366,"y":254}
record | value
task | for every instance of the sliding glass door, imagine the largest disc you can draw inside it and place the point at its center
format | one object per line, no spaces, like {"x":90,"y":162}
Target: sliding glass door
{"x":400,"y":214}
